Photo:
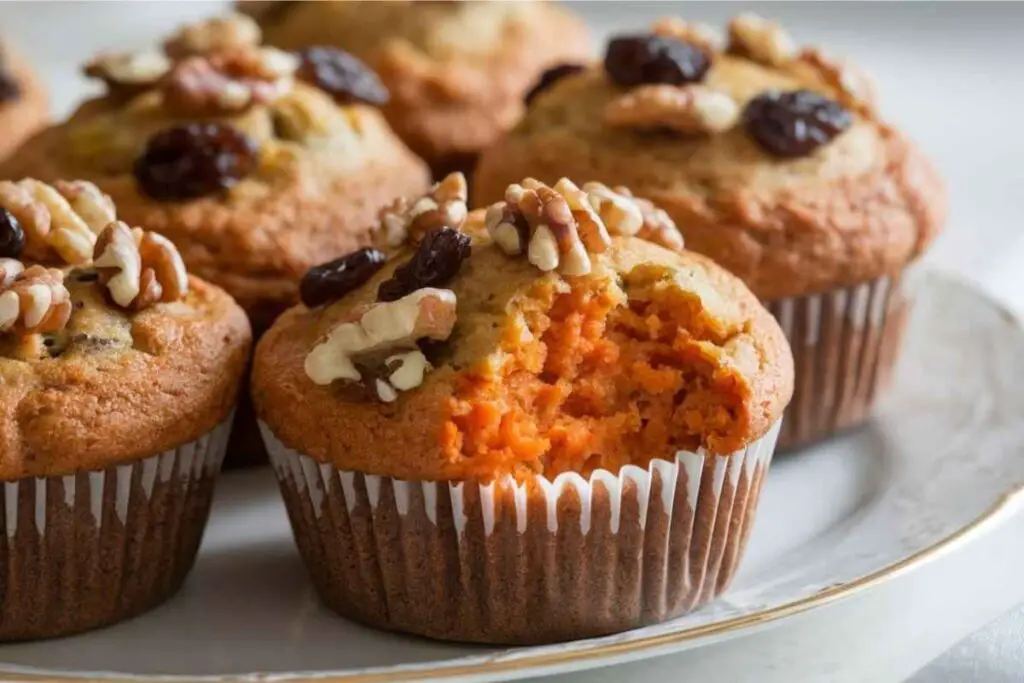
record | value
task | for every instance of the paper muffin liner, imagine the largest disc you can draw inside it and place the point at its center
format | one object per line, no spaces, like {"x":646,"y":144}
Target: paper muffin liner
{"x":87,"y":549}
{"x":521,"y":563}
{"x":845,"y":345}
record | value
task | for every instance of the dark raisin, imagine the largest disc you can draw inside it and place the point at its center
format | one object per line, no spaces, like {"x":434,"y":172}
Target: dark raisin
{"x":552,"y":76}
{"x":794,"y":124}
{"x":332,"y":280}
{"x":9,"y":88}
{"x":435,"y":263}
{"x":195,"y":160}
{"x":341,"y":75}
{"x":637,"y":60}
{"x":12,"y":237}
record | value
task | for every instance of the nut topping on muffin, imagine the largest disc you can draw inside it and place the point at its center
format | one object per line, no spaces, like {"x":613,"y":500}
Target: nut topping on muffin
{"x":760,"y":40}
{"x":129,"y":72}
{"x":228,"y":82}
{"x":383,"y":327}
{"x":688,"y":110}
{"x":139,"y":268}
{"x":214,"y":35}
{"x":35,"y":300}
{"x":703,"y":36}
{"x":443,"y":206}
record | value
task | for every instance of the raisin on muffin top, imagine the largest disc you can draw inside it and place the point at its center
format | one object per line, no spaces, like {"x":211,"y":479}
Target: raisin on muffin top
{"x":109,"y":351}
{"x":457,"y":71}
{"x":250,"y":158}
{"x":771,"y":158}
{"x":564,"y":328}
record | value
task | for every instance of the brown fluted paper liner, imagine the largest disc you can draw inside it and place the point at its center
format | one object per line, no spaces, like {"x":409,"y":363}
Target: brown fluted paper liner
{"x":845,"y":344}
{"x":534,"y":562}
{"x":88,"y":549}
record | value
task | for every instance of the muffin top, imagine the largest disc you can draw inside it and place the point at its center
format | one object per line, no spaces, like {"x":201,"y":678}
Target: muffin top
{"x":772,"y":159}
{"x":109,"y":350}
{"x":457,"y":71}
{"x":257,"y":163}
{"x":551,"y":333}
{"x":23,"y":102}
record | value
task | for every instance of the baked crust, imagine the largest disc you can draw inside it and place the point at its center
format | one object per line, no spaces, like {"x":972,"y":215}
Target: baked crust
{"x":404,"y":439}
{"x":860,"y":207}
{"x":132,"y":386}
{"x":457,"y":71}
{"x":306,"y":203}
{"x":24,"y":115}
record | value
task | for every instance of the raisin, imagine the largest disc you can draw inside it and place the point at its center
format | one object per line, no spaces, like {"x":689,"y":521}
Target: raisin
{"x":9,"y":88}
{"x":195,"y":160}
{"x":550,"y":77}
{"x":435,"y":263}
{"x":794,"y":124}
{"x":332,"y":280}
{"x":12,"y":237}
{"x":639,"y":60}
{"x":341,"y":75}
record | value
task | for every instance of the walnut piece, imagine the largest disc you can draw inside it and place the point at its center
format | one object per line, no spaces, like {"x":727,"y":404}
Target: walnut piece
{"x":443,"y":206}
{"x":214,"y":35}
{"x":35,"y":301}
{"x":856,"y":87}
{"x":228,"y":82}
{"x":694,"y":32}
{"x":692,"y":109}
{"x":629,"y":215}
{"x":139,"y":268}
{"x":9,"y":269}
{"x":62,"y":218}
{"x":128,"y":73}
{"x":760,"y":40}
{"x":425,"y":314}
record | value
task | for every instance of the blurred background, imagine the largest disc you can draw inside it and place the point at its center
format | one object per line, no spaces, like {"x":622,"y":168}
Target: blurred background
{"x":950,"y":74}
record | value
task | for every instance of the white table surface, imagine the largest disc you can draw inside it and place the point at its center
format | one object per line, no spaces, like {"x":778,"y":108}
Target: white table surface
{"x":951,"y":74}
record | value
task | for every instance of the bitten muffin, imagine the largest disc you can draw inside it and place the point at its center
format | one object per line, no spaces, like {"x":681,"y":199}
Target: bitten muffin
{"x":550,"y":429}
{"x":256,"y":163}
{"x":774,"y":162}
{"x":457,"y":71}
{"x":118,"y":377}
{"x":23,"y":104}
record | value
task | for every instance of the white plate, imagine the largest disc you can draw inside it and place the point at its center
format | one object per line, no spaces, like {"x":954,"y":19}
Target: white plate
{"x":939,"y":466}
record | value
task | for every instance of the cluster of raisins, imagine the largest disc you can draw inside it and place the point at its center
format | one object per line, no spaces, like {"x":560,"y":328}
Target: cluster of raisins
{"x":195,"y":160}
{"x":550,"y":77}
{"x":435,"y":263}
{"x":794,"y":124}
{"x":332,"y":280}
{"x":652,"y":59}
{"x":341,"y":75}
{"x":12,"y":236}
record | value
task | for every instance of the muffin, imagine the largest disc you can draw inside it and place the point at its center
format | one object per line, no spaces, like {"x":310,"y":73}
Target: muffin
{"x":774,"y":162}
{"x":257,"y":164}
{"x":23,"y":103}
{"x":457,"y":71}
{"x":118,"y":377}
{"x":550,"y":429}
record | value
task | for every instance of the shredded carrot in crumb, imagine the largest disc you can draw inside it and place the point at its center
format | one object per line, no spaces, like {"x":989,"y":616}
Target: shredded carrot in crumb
{"x":598,"y":385}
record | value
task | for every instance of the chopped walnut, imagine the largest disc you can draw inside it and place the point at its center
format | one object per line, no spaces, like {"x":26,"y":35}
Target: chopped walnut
{"x":228,"y":82}
{"x":692,"y":109}
{"x":128,"y":73}
{"x":443,"y":206}
{"x":219,"y":34}
{"x":35,"y":301}
{"x":9,"y":269}
{"x":695,"y":33}
{"x":139,"y":268}
{"x":63,"y":218}
{"x":760,"y":40}
{"x":857,"y":89}
{"x":655,"y":224}
{"x":379,"y":327}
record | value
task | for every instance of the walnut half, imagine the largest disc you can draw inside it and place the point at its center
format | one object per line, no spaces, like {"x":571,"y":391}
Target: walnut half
{"x":691,"y":110}
{"x":139,"y":268}
{"x":443,"y":206}
{"x":35,"y":300}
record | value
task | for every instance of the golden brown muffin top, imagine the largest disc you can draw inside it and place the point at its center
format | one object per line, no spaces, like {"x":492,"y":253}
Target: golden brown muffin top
{"x":253,"y":160}
{"x":548,"y":334}
{"x":770,"y":158}
{"x":457,"y":71}
{"x":109,"y":350}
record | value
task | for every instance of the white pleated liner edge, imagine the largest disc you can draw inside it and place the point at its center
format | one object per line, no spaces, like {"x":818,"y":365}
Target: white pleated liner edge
{"x":191,"y":461}
{"x":313,"y":478}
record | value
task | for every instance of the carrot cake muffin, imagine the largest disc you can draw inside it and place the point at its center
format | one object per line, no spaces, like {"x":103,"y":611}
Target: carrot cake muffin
{"x":23,"y":104}
{"x":256,"y":163}
{"x":538,"y":425}
{"x":457,"y":71}
{"x":118,"y":377}
{"x":773,"y":161}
